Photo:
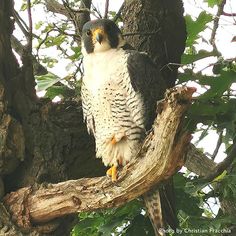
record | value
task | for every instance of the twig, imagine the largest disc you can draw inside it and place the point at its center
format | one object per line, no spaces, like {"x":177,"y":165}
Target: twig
{"x":228,"y":14}
{"x":43,"y":41}
{"x":20,"y":49}
{"x":106,"y":9}
{"x":171,"y":64}
{"x":118,"y":14}
{"x":64,"y":32}
{"x":22,"y":25}
{"x":218,"y":144}
{"x":30,"y":36}
{"x":96,"y":10}
{"x":140,"y":33}
{"x":222,"y":165}
{"x":216,"y":24}
{"x":210,"y":208}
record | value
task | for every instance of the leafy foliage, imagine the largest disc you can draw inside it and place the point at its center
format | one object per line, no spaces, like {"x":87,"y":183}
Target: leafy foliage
{"x":194,"y":27}
{"x":127,"y":220}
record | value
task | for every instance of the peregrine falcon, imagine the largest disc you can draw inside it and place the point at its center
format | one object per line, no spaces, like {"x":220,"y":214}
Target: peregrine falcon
{"x":120,"y":90}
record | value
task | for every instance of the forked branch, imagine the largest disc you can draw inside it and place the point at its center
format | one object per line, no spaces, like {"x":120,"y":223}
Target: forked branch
{"x":161,"y":155}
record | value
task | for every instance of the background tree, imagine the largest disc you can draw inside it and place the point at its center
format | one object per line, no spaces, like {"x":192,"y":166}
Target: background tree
{"x":42,"y":141}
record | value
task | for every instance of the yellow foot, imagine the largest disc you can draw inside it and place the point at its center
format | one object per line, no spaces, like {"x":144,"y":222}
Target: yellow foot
{"x":113,"y":141}
{"x":113,"y":173}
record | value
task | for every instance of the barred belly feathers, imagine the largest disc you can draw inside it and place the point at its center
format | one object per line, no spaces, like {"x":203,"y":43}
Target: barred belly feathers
{"x":116,"y":110}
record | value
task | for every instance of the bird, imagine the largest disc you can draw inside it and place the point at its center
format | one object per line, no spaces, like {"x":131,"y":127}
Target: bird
{"x":120,"y":89}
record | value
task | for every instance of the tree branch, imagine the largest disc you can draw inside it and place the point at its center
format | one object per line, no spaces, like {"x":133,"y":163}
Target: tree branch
{"x":198,"y":162}
{"x":20,"y":49}
{"x":218,"y":144}
{"x":106,"y":9}
{"x":216,"y":24}
{"x":118,"y":14}
{"x":222,"y":165}
{"x":20,"y":22}
{"x":55,"y":7}
{"x":30,"y":35}
{"x":228,"y":14}
{"x":140,"y":33}
{"x":159,"y":158}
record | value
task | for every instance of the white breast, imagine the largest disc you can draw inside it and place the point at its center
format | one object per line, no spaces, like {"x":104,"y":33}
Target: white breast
{"x":104,"y":76}
{"x":100,"y":68}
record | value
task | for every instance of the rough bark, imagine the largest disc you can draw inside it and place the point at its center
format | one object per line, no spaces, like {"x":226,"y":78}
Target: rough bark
{"x":158,"y":28}
{"x":198,"y":162}
{"x":159,"y":158}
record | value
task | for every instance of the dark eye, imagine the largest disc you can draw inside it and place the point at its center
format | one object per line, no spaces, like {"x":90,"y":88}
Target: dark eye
{"x":88,"y":32}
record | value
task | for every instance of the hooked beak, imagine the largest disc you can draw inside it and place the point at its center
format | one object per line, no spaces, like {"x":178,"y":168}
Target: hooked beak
{"x":99,"y":38}
{"x":99,"y":35}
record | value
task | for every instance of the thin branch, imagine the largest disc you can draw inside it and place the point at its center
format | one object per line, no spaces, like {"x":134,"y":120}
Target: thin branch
{"x":97,"y":11}
{"x":222,"y":166}
{"x":210,"y":208}
{"x":64,"y":32}
{"x":30,"y":36}
{"x":228,"y":14}
{"x":216,"y":24}
{"x":218,"y":144}
{"x":106,"y":9}
{"x":43,"y":41}
{"x":171,"y":64}
{"x":141,"y":33}
{"x":20,"y":49}
{"x":118,"y":14}
{"x":20,"y":22}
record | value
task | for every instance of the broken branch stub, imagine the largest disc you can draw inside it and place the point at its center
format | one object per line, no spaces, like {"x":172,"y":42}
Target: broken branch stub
{"x":161,"y":155}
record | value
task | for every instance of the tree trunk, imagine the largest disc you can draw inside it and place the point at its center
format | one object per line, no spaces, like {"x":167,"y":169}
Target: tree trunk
{"x":45,"y":142}
{"x":158,"y":28}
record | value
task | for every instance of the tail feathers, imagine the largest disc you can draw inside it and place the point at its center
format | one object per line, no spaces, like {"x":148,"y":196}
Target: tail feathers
{"x":160,"y":204}
{"x":167,"y":197}
{"x":153,"y":204}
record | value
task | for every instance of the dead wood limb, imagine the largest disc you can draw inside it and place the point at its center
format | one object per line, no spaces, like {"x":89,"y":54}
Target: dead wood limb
{"x":159,"y":158}
{"x":198,"y":162}
{"x":56,"y":7}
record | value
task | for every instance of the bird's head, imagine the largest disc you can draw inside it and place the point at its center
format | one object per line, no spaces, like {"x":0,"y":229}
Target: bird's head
{"x":100,"y":35}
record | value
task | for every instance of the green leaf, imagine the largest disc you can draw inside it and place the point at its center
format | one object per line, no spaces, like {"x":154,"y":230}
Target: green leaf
{"x":49,"y":61}
{"x":107,"y":221}
{"x":220,"y":177}
{"x":38,"y":25}
{"x":62,"y":90}
{"x":23,"y":7}
{"x":212,"y":3}
{"x":190,"y":58}
{"x":195,"y":27}
{"x":219,"y":84}
{"x":46,"y":81}
{"x":140,"y":226}
{"x":185,"y":201}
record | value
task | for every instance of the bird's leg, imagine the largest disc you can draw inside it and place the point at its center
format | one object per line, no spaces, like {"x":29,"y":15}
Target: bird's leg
{"x":118,"y":137}
{"x":113,"y":173}
{"x":113,"y":140}
{"x":113,"y":170}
